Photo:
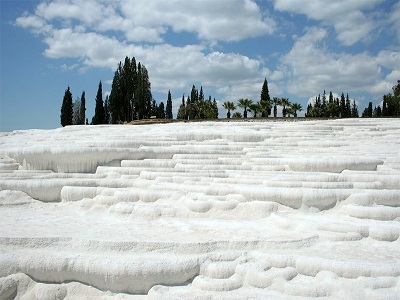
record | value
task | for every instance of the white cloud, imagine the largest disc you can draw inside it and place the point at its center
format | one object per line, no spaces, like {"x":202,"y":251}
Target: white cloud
{"x":149,"y":20}
{"x":223,"y":20}
{"x":36,"y":24}
{"x":350,"y":18}
{"x":312,"y":67}
{"x":395,"y":19}
{"x":66,"y":68}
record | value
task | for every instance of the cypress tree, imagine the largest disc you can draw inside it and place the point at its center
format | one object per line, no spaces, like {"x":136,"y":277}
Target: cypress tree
{"x":188,"y":108}
{"x":354,"y":110}
{"x":83,"y":109}
{"x":342,"y":106}
{"x":99,"y":115}
{"x":161,"y":111}
{"x":76,"y":112}
{"x":324,"y":106}
{"x":67,"y":109}
{"x":265,"y":100}
{"x":201,"y":95}
{"x":182,"y":109}
{"x":194,"y":98}
{"x":143,"y":97}
{"x":347,"y":107}
{"x":116,"y":98}
{"x":168,"y":110}
{"x":215,"y":109}
{"x":107,"y":110}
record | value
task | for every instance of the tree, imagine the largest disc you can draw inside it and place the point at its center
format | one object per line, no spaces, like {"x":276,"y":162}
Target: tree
{"x":76,"y":112}
{"x":215,"y":108}
{"x":245,"y":104}
{"x":276,"y":101}
{"x":229,"y":106}
{"x":256,"y":108}
{"x":354,"y":110}
{"x":391,"y":103}
{"x":153,"y":109}
{"x":367,"y":113}
{"x":342,"y":106}
{"x":143,"y":97}
{"x":117,"y":97}
{"x":265,"y":100}
{"x":191,"y":106}
{"x":67,"y":109}
{"x":161,"y":111}
{"x":168,"y":110}
{"x":107,"y":110}
{"x":377,"y":113}
{"x":82,"y":117}
{"x":99,"y":115}
{"x":284,"y":102}
{"x":182,"y":110}
{"x":295,"y":107}
{"x":237,"y":115}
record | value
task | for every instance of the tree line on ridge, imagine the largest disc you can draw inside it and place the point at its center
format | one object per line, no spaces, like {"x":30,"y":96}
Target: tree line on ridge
{"x":131,"y":99}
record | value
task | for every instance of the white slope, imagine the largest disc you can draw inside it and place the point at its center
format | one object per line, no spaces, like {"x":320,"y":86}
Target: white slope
{"x":210,"y":210}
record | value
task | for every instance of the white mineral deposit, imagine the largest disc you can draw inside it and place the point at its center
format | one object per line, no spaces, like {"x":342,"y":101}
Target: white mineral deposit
{"x":202,"y":210}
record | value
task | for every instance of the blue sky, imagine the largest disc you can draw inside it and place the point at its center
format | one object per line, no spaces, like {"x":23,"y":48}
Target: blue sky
{"x":302,"y":47}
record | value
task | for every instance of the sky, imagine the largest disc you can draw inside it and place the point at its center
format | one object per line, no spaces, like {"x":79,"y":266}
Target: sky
{"x":302,"y":47}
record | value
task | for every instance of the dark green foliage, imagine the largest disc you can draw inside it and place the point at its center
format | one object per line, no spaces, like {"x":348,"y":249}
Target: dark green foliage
{"x":76,"y":112}
{"x":229,"y":106}
{"x":67,"y":109}
{"x":143,"y":97}
{"x":182,"y":110}
{"x":99,"y":115}
{"x":367,"y":113}
{"x":161,"y":111}
{"x":333,"y":108}
{"x":107,"y":115}
{"x":391,"y":103}
{"x":237,"y":115}
{"x":286,"y":103}
{"x":265,"y":100}
{"x":245,"y":104}
{"x":354,"y":110}
{"x":215,"y":109}
{"x":191,"y":104}
{"x":196,"y":107}
{"x":82,"y":117}
{"x":168,"y":110}
{"x":342,"y":108}
{"x":377,"y":113}
{"x":130,"y":96}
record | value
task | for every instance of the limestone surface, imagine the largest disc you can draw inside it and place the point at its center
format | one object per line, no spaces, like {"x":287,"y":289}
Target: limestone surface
{"x":202,"y":210}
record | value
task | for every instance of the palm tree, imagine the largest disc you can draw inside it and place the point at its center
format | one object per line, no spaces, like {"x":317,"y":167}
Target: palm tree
{"x":230,"y":106}
{"x":284,"y":102}
{"x":237,"y":115}
{"x":276,"y":101}
{"x":295,"y":107}
{"x":256,"y":108}
{"x":245,"y":104}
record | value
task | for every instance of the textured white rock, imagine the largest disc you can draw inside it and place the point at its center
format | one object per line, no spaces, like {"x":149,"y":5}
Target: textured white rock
{"x":232,"y":210}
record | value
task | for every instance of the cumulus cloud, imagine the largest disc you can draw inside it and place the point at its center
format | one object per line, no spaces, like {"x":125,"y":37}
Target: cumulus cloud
{"x":149,"y":20}
{"x":312,"y":67}
{"x":101,"y":33}
{"x":395,"y":19}
{"x":350,"y":18}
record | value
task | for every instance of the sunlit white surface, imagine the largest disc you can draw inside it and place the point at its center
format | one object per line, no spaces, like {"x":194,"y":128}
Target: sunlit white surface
{"x":223,"y":210}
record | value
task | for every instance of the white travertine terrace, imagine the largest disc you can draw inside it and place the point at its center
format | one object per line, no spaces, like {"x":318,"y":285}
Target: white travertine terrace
{"x":209,"y":210}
